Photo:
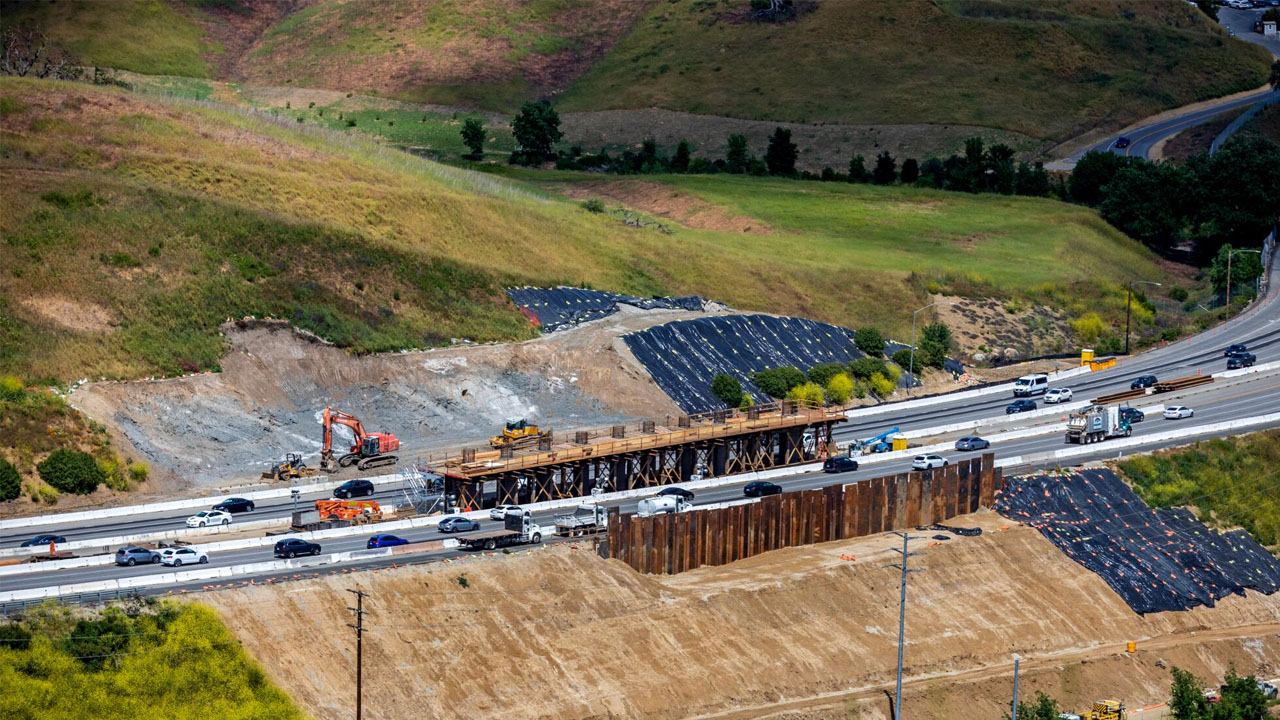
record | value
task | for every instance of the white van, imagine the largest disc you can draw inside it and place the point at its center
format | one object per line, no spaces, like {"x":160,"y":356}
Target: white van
{"x":1031,"y":385}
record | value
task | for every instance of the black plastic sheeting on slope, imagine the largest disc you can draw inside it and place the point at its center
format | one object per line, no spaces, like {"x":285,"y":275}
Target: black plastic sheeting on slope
{"x":563,"y":307}
{"x":684,"y":356}
{"x":1155,"y":560}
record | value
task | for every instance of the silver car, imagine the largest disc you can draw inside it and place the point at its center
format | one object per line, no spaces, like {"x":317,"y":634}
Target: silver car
{"x":134,"y":555}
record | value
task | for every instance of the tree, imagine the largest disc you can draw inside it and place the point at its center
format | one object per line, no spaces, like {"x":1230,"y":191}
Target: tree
{"x":858,"y":170}
{"x":864,"y":368}
{"x":869,"y":341}
{"x":1044,"y":708}
{"x":27,"y":52}
{"x":1232,"y":196}
{"x":1091,"y":174}
{"x":537,"y":130}
{"x":808,"y":392}
{"x":1148,"y":202}
{"x":737,"y":157}
{"x":781,"y":155}
{"x":933,"y":173}
{"x":777,"y":382}
{"x":840,"y":388}
{"x":1208,"y":7}
{"x":71,"y":471}
{"x":473,"y":134}
{"x":902,"y":358}
{"x":999,"y":161}
{"x":910,"y":171}
{"x":727,"y":388}
{"x":10,"y":481}
{"x":1032,"y":180}
{"x":935,"y":343}
{"x":886,"y":171}
{"x":823,"y":373}
{"x":1245,"y":267}
{"x":680,"y":163}
{"x":1241,"y":699}
{"x":1186,"y":700}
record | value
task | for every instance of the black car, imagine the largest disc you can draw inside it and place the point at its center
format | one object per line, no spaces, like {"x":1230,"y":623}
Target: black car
{"x":839,"y":464}
{"x":1132,"y":414}
{"x":972,"y":442}
{"x":760,"y":488}
{"x":133,"y":555}
{"x":1021,"y":405}
{"x":676,"y":492}
{"x":1235,"y":349}
{"x":1123,"y":142}
{"x":1239,"y":360}
{"x":234,"y":505}
{"x":1143,"y":381}
{"x":44,"y":540}
{"x":353,"y":488}
{"x":295,"y":547}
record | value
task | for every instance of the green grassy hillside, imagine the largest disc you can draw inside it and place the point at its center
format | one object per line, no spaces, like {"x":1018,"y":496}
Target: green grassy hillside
{"x":1045,"y":68}
{"x":136,"y":225}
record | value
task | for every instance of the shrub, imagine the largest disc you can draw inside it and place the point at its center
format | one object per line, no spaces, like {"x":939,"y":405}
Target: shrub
{"x":11,"y":388}
{"x":893,"y":373}
{"x":113,"y":475}
{"x":45,"y":494}
{"x":865,"y":367}
{"x":860,"y":389}
{"x":935,"y":343}
{"x":727,"y":388}
{"x":811,"y":392}
{"x":593,"y":205}
{"x":10,"y":481}
{"x":747,"y":402}
{"x":881,"y":385}
{"x":822,"y":374}
{"x":777,"y":382}
{"x":840,"y":388}
{"x":1089,"y":327}
{"x":71,"y":471}
{"x":1178,"y":294}
{"x":870,"y":341}
{"x":351,"y":122}
{"x":903,"y":359}
{"x":139,"y":473}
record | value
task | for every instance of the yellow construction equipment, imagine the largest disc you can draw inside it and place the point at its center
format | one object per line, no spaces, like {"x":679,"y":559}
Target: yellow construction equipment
{"x":291,"y":468}
{"x":517,"y":434}
{"x":1107,"y":710}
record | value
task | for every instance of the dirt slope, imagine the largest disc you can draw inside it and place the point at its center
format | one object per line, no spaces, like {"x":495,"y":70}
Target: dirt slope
{"x":560,"y":633}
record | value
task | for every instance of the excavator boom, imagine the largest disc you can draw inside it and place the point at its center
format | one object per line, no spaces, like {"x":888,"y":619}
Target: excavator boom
{"x":370,"y":449}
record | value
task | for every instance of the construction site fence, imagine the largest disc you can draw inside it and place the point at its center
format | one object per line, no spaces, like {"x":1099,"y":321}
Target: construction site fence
{"x":674,"y":543}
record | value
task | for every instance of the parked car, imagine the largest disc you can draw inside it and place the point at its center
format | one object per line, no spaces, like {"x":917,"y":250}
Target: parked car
{"x":294,"y":547}
{"x":1240,"y":360}
{"x":457,"y":523}
{"x":1022,"y":405}
{"x":381,"y":541}
{"x":1123,"y":142}
{"x":676,"y":492}
{"x":1132,"y":414}
{"x":44,"y":540}
{"x":760,"y":488}
{"x":1234,"y":349}
{"x":1268,"y":689}
{"x":1177,"y":412}
{"x":928,"y":462}
{"x":179,"y":556}
{"x":1057,"y":395}
{"x":133,"y":555}
{"x":1143,"y":381}
{"x":353,"y":488}
{"x":972,"y":442}
{"x":209,"y":517}
{"x":500,"y":512}
{"x":234,"y":505}
{"x":839,"y":464}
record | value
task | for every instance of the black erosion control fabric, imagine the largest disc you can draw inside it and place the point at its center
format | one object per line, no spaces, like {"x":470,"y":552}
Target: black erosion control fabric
{"x":563,"y":307}
{"x":683,"y":356}
{"x":1155,"y":560}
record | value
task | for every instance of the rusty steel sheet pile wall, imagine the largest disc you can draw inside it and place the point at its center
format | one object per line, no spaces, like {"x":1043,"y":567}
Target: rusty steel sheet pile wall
{"x":668,"y":544}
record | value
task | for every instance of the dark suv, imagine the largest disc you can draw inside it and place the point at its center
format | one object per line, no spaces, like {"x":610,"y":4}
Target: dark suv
{"x":353,"y":488}
{"x":1018,"y":406}
{"x":1132,"y":414}
{"x":839,"y":464}
{"x":1239,"y":360}
{"x":1235,"y":349}
{"x":294,"y":547}
{"x":1143,"y":381}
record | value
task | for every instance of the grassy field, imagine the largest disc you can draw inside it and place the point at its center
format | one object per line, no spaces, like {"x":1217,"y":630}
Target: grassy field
{"x":1266,"y":123}
{"x":161,"y":660}
{"x":147,"y":36}
{"x":1233,"y":482}
{"x":1045,"y":69}
{"x":137,"y":225}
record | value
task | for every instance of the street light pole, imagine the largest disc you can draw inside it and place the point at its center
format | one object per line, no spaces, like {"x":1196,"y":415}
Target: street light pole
{"x":1230,"y":254}
{"x":912,"y":369}
{"x":902,"y":614}
{"x":1128,"y":306}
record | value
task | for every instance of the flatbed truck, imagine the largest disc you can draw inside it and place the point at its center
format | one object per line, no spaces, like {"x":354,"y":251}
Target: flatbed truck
{"x":518,"y":529}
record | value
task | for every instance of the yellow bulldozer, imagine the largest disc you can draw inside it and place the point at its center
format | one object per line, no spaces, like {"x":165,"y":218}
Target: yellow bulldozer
{"x":518,"y":434}
{"x":1106,"y":710}
{"x":291,"y":468}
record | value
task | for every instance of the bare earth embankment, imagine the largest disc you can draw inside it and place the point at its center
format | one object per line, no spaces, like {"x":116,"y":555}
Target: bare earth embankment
{"x":804,"y":632}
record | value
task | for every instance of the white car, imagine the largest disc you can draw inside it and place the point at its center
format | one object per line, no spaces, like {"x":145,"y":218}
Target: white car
{"x":179,"y":556}
{"x":928,"y":462}
{"x":1057,"y":395}
{"x":1177,"y":412}
{"x":209,"y":517}
{"x":500,"y":512}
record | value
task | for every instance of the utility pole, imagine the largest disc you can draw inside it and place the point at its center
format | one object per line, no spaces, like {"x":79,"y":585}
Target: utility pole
{"x":359,"y":628}
{"x":1014,"y":715}
{"x":902,"y":614}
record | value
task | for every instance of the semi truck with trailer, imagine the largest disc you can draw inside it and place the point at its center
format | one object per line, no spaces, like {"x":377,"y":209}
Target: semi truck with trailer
{"x":1097,"y":423}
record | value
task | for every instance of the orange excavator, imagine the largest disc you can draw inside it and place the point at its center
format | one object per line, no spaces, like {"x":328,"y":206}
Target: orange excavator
{"x":371,"y":449}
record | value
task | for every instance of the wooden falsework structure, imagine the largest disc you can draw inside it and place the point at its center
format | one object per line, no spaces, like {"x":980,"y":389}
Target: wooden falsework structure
{"x":644,"y":454}
{"x":668,"y":544}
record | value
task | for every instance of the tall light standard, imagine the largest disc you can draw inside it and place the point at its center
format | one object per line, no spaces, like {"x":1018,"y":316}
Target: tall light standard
{"x":1128,"y":305}
{"x":1230,"y":253}
{"x":912,"y":369}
